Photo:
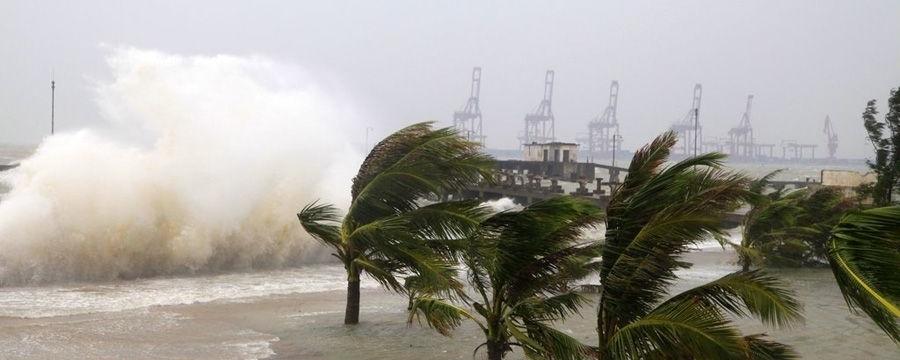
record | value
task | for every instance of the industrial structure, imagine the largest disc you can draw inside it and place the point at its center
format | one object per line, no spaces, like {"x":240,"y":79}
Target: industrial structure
{"x":602,"y":140}
{"x":551,"y":152}
{"x":603,"y":131}
{"x":792,"y":150}
{"x":468,"y":120}
{"x":831,"y":138}
{"x":740,"y":138}
{"x":540,"y":125}
{"x":690,"y":133}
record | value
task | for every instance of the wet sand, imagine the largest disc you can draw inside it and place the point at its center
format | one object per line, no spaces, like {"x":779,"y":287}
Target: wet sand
{"x":308,"y":326}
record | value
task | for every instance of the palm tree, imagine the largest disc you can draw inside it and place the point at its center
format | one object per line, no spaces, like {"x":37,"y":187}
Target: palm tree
{"x":789,"y":228}
{"x":653,"y":217}
{"x":864,"y":253}
{"x":769,"y":223}
{"x":389,"y":230}
{"x":522,"y":264}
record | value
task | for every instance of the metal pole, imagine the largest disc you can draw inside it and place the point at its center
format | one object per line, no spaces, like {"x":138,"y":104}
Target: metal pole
{"x":52,"y":105}
{"x":615,"y":137}
{"x":696,"y":128}
{"x":366,"y":145}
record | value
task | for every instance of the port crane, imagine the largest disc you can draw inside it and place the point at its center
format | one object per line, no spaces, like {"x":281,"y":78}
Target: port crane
{"x":831,"y":137}
{"x":468,"y":120}
{"x":540,"y":125}
{"x":690,"y":133}
{"x":603,"y":129}
{"x":741,"y":137}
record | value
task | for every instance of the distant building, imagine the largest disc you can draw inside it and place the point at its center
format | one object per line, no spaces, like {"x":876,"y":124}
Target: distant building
{"x":551,"y":152}
{"x":847,"y":180}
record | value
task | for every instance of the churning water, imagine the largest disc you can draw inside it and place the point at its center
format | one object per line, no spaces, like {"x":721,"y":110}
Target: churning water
{"x":202,"y":164}
{"x":191,"y":188}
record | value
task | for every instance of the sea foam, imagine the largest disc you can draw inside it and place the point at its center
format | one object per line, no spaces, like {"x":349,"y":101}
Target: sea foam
{"x":201,"y":165}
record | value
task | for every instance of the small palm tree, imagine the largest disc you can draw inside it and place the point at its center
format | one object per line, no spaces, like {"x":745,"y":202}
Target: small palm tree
{"x":864,"y":254}
{"x":522,"y":264}
{"x":654,"y":216}
{"x":389,"y":230}
{"x":770,"y":222}
{"x":789,"y":228}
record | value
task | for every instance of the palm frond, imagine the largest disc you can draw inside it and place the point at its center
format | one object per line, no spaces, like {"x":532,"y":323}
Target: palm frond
{"x":440,"y":225}
{"x":758,"y":185}
{"x":747,"y":293}
{"x":555,"y":344}
{"x":696,"y":331}
{"x":759,"y":348}
{"x":321,"y":221}
{"x":382,"y":270}
{"x":643,"y":266}
{"x":552,"y":308}
{"x":439,"y":315}
{"x":411,"y":164}
{"x":864,"y":253}
{"x":538,"y":242}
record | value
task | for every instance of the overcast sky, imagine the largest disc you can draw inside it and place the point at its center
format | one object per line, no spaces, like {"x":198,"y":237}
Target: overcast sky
{"x":404,"y":61}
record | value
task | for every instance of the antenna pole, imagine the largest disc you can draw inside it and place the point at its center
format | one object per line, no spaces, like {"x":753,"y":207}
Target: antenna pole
{"x":696,"y":129}
{"x":52,"y":104}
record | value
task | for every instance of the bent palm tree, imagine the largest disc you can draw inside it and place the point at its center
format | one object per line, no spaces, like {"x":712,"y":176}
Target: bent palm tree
{"x":789,"y":228}
{"x":864,"y":253}
{"x":770,"y":222}
{"x":653,"y":217}
{"x":388,"y":230}
{"x":521,"y":264}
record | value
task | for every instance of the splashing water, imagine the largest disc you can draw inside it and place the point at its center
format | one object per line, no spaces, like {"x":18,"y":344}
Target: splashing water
{"x":202,"y":166}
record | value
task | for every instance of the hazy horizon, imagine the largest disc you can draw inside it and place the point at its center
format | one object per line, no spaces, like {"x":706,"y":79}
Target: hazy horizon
{"x":401,"y":62}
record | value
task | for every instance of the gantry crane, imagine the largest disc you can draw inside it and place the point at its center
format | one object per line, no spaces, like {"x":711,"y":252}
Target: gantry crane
{"x":540,"y":125}
{"x":468,"y":120}
{"x":831,"y":137}
{"x":741,"y":137}
{"x":690,"y":133}
{"x":603,"y":129}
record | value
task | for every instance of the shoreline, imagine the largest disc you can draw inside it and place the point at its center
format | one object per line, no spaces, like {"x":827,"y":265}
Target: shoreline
{"x":310,"y":326}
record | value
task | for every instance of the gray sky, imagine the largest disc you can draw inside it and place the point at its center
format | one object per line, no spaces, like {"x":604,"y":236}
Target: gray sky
{"x":406,"y":61}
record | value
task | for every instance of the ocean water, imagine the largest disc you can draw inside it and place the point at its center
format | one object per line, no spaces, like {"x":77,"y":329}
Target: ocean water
{"x":296,"y":312}
{"x":90,"y":298}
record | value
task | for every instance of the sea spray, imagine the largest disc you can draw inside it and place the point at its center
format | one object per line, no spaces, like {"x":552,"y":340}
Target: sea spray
{"x":202,"y":166}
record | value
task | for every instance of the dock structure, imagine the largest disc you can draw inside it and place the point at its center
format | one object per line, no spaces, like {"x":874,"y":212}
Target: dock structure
{"x":526,"y":188}
{"x":513,"y":180}
{"x":547,"y":166}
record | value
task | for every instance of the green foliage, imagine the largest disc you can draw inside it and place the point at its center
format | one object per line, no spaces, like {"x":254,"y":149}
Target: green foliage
{"x":389,"y":230}
{"x":885,"y":139}
{"x":864,"y":252}
{"x":521,"y":266}
{"x":655,"y":215}
{"x":789,"y":229}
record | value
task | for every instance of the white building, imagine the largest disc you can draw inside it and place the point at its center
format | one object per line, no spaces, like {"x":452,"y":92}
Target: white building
{"x":551,"y":152}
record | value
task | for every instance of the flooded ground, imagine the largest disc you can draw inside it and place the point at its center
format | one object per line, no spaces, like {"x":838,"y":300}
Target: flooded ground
{"x":297,"y":314}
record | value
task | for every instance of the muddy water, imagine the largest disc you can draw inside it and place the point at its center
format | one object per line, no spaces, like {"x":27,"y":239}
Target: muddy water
{"x":297,"y":314}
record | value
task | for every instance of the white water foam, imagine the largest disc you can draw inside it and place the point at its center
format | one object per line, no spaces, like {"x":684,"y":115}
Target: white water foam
{"x":202,"y":166}
{"x":73,"y":299}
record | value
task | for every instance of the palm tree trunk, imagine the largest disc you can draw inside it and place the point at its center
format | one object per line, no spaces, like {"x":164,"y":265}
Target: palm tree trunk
{"x":495,"y":350}
{"x":351,"y":314}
